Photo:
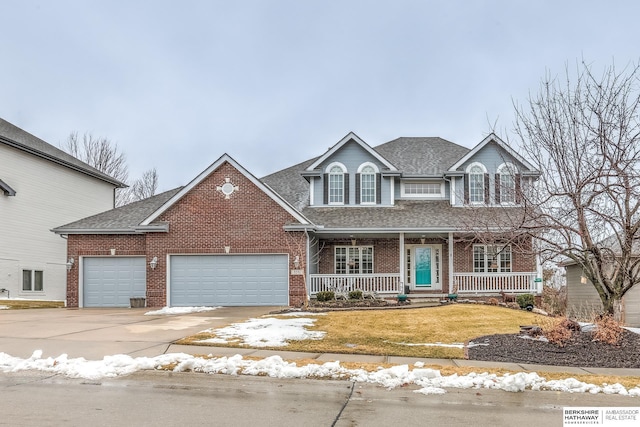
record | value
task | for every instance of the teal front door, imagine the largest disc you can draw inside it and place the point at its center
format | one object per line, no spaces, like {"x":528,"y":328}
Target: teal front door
{"x":423,"y":267}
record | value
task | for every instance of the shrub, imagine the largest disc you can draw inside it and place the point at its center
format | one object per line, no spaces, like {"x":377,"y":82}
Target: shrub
{"x":608,"y":330}
{"x":325,"y":296}
{"x":559,"y":332}
{"x":526,"y":301}
{"x":357,"y":294}
{"x":554,"y":301}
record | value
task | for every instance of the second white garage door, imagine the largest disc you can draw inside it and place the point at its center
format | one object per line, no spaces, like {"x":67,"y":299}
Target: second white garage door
{"x":229,"y":280}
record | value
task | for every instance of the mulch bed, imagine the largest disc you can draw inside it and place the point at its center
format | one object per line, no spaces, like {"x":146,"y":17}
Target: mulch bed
{"x":580,"y":351}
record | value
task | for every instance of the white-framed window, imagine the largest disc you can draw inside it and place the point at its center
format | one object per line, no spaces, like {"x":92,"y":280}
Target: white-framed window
{"x":491,"y":259}
{"x":336,"y":185}
{"x":507,"y":173}
{"x":353,"y":260}
{"x":423,"y":189}
{"x":476,"y":173}
{"x":32,"y":280}
{"x":368,"y":185}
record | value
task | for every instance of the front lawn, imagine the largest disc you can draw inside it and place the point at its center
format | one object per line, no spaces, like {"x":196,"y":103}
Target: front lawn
{"x":409,"y":332}
{"x":16,"y":304}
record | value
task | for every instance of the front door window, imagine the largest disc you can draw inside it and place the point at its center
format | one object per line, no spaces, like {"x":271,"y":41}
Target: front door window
{"x":423,"y":266}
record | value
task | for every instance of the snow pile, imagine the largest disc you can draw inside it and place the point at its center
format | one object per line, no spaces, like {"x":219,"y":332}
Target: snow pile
{"x":430,"y":381}
{"x":4,"y":307}
{"x":179,"y":310}
{"x":265,"y":332}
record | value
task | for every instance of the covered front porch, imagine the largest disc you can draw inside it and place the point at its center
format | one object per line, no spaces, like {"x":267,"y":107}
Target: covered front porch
{"x":432,"y":264}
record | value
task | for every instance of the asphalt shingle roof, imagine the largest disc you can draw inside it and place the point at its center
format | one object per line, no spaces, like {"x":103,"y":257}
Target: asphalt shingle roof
{"x":124,"y":218}
{"x":413,"y":157}
{"x":421,"y":156}
{"x":23,"y":140}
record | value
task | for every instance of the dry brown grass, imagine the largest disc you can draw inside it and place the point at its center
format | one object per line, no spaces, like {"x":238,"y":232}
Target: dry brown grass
{"x":19,"y":304}
{"x":387,"y":332}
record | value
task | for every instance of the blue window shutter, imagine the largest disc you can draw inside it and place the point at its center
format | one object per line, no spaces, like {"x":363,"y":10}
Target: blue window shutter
{"x":358,"y":189}
{"x":498,"y":188}
{"x":346,"y":188}
{"x":378,"y":189}
{"x":325,"y":184}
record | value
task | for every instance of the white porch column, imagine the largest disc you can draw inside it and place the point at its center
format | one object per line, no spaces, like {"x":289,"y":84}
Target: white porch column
{"x":403,"y":270}
{"x":450,"y":263}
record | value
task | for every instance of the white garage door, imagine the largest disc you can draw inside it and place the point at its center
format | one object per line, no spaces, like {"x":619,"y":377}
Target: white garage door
{"x":229,"y":280}
{"x":112,"y":281}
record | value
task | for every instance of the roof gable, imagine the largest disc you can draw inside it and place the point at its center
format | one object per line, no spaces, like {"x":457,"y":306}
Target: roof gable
{"x":500,"y":143}
{"x":17,"y":138}
{"x":204,"y":174}
{"x":351,"y":137}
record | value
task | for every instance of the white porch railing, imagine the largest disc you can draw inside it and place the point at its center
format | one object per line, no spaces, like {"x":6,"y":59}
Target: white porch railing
{"x":380,"y":283}
{"x":478,"y":283}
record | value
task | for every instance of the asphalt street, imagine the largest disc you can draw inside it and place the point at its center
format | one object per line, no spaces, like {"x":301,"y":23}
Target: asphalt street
{"x":156,"y":398}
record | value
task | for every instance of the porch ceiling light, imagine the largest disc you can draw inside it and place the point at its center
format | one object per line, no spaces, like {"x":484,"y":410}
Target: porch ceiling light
{"x":153,"y":263}
{"x":353,"y":242}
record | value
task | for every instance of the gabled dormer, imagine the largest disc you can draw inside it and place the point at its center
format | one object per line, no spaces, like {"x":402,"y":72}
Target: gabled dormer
{"x":491,"y":174}
{"x":351,"y":173}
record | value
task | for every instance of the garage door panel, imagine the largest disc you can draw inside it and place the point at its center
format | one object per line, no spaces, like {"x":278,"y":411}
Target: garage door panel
{"x":229,"y":280}
{"x":112,"y":281}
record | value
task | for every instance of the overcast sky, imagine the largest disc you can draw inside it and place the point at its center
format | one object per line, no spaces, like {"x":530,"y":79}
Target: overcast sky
{"x":272,"y":83}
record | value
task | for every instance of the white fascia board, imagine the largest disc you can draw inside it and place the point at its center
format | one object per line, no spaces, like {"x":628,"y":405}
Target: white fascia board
{"x":343,"y":141}
{"x":501,"y":143}
{"x":204,"y":174}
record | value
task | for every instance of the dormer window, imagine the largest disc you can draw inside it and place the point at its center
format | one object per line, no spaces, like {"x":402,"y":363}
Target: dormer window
{"x":336,"y":183}
{"x":506,"y":183}
{"x":477,"y":188}
{"x":367,"y":184}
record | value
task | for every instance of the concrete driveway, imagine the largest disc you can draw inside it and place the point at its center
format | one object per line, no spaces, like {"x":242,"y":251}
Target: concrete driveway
{"x":94,"y":333}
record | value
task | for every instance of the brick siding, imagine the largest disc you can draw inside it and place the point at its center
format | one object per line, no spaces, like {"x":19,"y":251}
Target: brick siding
{"x":204,"y":222}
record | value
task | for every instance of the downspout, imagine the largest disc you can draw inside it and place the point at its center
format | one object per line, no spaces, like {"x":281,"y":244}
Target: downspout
{"x":307,"y":272}
{"x":402,"y":265}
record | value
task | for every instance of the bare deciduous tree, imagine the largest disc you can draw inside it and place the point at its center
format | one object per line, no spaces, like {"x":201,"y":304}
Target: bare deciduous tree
{"x":145,"y":186}
{"x":583,"y":134}
{"x":104,"y":155}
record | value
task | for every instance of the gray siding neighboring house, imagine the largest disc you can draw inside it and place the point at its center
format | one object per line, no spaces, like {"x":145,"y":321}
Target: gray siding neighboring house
{"x":583,"y":300}
{"x":41,"y":187}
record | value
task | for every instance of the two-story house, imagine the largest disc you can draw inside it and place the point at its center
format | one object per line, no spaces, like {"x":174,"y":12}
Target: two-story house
{"x":404,"y":215}
{"x":41,"y":187}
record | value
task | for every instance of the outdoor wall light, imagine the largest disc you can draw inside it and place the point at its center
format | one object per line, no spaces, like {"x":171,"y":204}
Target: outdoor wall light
{"x":422,"y":239}
{"x":70,"y":264}
{"x":153,"y":263}
{"x":296,"y":262}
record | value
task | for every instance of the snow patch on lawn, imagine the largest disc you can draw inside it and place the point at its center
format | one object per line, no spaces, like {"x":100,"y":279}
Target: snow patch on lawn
{"x":4,"y":307}
{"x":265,"y":332}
